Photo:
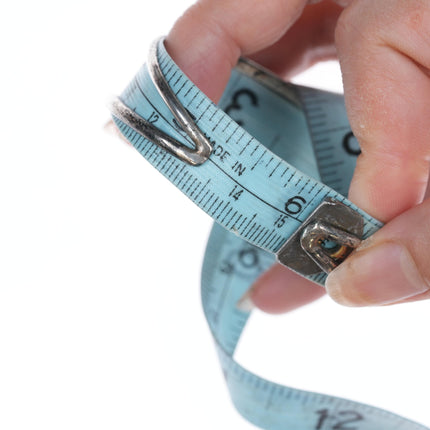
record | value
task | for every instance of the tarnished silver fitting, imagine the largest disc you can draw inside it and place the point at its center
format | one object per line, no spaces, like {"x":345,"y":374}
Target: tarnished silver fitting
{"x":324,"y":240}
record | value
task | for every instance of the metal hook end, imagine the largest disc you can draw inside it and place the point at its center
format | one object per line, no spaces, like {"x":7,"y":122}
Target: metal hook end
{"x":202,"y":146}
{"x":327,"y":245}
{"x":324,"y":240}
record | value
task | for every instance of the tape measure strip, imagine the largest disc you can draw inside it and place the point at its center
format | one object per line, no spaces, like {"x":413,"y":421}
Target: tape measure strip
{"x":256,"y":194}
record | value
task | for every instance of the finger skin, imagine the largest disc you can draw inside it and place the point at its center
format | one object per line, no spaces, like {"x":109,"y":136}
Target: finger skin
{"x":308,"y":41}
{"x":370,"y":277}
{"x":209,"y":38}
{"x":383,"y":50}
{"x":284,"y":42}
{"x":281,"y":290}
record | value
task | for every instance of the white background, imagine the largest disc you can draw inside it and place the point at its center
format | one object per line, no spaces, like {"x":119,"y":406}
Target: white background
{"x":100,"y":318}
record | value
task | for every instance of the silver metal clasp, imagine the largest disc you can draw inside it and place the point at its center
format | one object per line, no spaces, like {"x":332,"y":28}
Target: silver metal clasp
{"x":324,"y":240}
{"x":203,"y":147}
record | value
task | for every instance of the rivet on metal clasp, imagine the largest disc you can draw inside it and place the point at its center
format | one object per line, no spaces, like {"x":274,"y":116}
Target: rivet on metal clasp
{"x":324,"y":240}
{"x":327,"y":245}
{"x":194,"y":156}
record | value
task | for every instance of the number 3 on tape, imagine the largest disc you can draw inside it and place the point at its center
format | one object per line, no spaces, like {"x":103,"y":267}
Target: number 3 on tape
{"x":283,"y":200}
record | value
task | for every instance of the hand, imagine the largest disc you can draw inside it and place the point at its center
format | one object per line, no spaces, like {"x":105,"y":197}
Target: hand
{"x":384,"y":51}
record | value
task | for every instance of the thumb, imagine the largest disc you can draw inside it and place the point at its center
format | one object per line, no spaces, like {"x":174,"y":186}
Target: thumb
{"x":390,"y":267}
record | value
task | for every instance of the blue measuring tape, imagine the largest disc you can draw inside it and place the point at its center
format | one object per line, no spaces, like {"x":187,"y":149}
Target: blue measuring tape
{"x":297,"y":215}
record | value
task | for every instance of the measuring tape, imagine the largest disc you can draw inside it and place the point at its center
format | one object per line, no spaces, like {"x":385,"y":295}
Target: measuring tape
{"x":295,"y":215}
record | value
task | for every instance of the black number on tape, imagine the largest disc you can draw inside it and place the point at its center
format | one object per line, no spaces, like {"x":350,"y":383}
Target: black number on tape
{"x":236,"y":192}
{"x":235,"y":105}
{"x":280,"y":221}
{"x":348,"y":145}
{"x":294,"y":205}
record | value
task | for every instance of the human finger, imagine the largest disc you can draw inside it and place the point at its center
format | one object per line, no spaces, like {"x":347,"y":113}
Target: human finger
{"x":383,"y":50}
{"x":308,"y":41}
{"x":207,"y":41}
{"x":280,"y":290}
{"x":390,"y":267}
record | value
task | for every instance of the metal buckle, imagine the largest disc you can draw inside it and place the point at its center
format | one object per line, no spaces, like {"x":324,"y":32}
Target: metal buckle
{"x":324,"y":240}
{"x":194,"y":156}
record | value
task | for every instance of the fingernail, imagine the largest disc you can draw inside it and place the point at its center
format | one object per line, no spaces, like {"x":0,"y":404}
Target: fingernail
{"x":378,"y":275}
{"x":245,"y":303}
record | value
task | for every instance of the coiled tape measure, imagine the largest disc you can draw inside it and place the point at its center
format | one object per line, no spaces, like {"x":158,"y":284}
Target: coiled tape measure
{"x":297,"y":215}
